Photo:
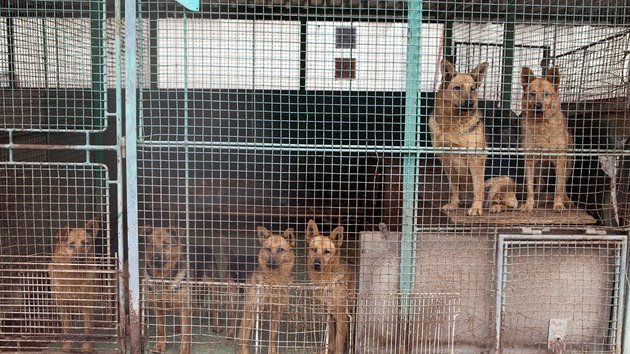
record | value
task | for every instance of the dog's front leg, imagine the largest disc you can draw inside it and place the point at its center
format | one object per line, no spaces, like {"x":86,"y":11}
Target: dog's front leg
{"x":160,"y":346}
{"x":341,"y":327}
{"x":562,"y":166}
{"x":247,"y":322}
{"x":477,"y":166}
{"x":274,"y":327}
{"x":529,"y":181}
{"x":185,"y":346}
{"x":87,"y":346}
{"x":451,"y":172}
{"x":64,"y":313}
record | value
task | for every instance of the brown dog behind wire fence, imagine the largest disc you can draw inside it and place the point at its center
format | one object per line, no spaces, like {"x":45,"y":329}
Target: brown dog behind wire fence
{"x":544,"y":127}
{"x":267,"y":289}
{"x":457,"y":122}
{"x":74,"y":279}
{"x":334,"y":282}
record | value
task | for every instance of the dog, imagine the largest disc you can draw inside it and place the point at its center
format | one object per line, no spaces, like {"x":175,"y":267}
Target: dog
{"x":334,"y":280}
{"x":544,"y":127}
{"x":74,"y":279}
{"x":168,"y":281}
{"x":457,"y":122}
{"x":501,"y":193}
{"x":267,"y":288}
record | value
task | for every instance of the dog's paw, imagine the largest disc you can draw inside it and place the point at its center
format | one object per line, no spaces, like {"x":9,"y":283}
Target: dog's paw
{"x":558,"y":206}
{"x":159,"y":347}
{"x":67,"y":347}
{"x":527,"y":207}
{"x":184,"y":348}
{"x":87,"y":347}
{"x":475,"y":211}
{"x":496,"y":208}
{"x":450,"y":206}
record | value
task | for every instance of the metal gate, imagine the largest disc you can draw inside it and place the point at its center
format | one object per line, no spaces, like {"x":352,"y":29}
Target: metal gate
{"x":61,"y":190}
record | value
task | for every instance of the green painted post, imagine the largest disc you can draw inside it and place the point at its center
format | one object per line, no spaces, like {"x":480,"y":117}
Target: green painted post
{"x":410,"y":160}
{"x":507,"y":64}
{"x":99,"y":96}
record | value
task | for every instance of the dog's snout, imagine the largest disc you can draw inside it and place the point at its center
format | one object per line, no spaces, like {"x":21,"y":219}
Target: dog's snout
{"x":157,"y":260}
{"x":273,"y":264}
{"x":317,"y":264}
{"x":468,"y":103}
{"x":538,"y":106}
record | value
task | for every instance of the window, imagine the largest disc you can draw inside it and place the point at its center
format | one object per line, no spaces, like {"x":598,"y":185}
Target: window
{"x":346,"y":37}
{"x":345,"y":68}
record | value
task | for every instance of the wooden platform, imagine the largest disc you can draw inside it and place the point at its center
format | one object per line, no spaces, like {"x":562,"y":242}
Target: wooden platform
{"x":543,"y":215}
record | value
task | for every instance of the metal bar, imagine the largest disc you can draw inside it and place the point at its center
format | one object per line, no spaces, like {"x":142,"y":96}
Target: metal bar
{"x":12,"y":146}
{"x":410,"y":160}
{"x":131,"y":87}
{"x":374,"y":148}
{"x":120,"y":217}
{"x":482,"y":44}
{"x":449,"y":49}
{"x":153,"y":45}
{"x":99,"y":92}
{"x":621,"y":284}
{"x":499,"y":298}
{"x":507,"y":60}
{"x":11,"y":53}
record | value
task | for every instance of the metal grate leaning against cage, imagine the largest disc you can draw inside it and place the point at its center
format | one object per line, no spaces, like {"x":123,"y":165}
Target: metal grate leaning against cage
{"x":58,"y":283}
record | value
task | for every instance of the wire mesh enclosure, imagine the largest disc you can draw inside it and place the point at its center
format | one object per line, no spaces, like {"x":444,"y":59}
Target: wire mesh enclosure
{"x":43,"y":272}
{"x":60,"y":178}
{"x":560,"y":293}
{"x":421,"y":128}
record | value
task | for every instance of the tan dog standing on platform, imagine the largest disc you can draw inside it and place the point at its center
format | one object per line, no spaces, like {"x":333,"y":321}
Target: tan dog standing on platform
{"x":74,"y":279}
{"x":268,"y":287}
{"x":544,"y":127}
{"x":457,"y":122}
{"x":334,"y":280}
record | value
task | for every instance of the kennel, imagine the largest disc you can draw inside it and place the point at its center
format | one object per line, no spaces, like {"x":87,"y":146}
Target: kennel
{"x":246,"y":113}
{"x":60,"y":167}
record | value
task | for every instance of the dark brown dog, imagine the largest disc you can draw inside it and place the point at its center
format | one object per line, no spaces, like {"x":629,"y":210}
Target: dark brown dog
{"x":457,"y":122}
{"x":167,"y":282}
{"x":544,"y":128}
{"x":334,"y":281}
{"x":267,"y":288}
{"x":74,"y":278}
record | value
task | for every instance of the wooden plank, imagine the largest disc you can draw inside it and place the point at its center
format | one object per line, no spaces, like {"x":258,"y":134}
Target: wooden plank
{"x":540,"y":216}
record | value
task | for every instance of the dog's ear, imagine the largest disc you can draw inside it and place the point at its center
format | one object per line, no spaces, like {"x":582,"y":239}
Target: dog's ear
{"x":93,"y":226}
{"x":62,"y":234}
{"x":311,"y":230}
{"x":263,"y":234}
{"x":479,"y":73}
{"x":289,"y":235}
{"x":527,"y":76}
{"x":553,"y":75}
{"x":337,"y":236}
{"x":448,"y":71}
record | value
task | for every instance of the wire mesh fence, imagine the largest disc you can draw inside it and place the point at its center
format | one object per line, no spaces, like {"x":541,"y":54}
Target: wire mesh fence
{"x":423,"y":128}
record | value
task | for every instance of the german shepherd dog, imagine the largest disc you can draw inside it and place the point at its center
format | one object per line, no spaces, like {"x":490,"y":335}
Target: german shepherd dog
{"x":457,"y":122}
{"x":544,"y":127}
{"x":334,"y":281}
{"x":268,"y":287}
{"x":74,"y":278}
{"x":168,"y":286}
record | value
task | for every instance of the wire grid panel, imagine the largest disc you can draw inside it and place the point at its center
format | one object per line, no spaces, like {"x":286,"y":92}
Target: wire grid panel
{"x":53,"y":66}
{"x":40,"y":282}
{"x":575,"y":280}
{"x":425,"y":325}
{"x":303,"y":321}
{"x":270,"y":113}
